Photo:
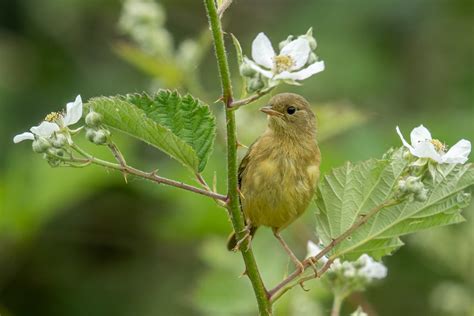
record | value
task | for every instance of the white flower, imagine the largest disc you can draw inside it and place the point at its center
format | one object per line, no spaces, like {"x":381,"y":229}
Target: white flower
{"x":423,"y":146}
{"x":364,"y":267}
{"x":288,"y":64}
{"x":371,"y":269}
{"x":54,"y":122}
{"x":313,"y":250}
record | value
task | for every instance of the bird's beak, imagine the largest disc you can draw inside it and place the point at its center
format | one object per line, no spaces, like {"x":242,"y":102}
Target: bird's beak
{"x":270,"y":111}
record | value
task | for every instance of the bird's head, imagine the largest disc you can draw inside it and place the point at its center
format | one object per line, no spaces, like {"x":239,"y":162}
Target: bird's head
{"x":290,"y":114}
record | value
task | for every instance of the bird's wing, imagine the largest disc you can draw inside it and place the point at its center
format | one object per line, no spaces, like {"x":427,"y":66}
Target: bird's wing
{"x":244,"y":163}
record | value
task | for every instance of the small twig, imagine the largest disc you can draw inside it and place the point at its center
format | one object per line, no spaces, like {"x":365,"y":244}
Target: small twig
{"x":152,"y":176}
{"x":223,"y":7}
{"x":206,"y":186}
{"x":238,"y":103}
{"x":282,"y":286}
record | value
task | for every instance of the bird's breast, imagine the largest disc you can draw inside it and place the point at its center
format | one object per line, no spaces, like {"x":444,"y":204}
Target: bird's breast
{"x":277,"y":186}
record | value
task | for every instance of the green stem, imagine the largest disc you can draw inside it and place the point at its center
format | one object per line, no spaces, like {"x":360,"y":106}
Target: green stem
{"x":336,"y":305}
{"x":237,"y":218}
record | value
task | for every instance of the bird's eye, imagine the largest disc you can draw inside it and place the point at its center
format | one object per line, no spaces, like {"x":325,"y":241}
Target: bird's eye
{"x":291,"y":110}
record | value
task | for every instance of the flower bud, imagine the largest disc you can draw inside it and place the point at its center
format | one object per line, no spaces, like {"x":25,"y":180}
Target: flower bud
{"x":40,"y":145}
{"x":422,"y":195}
{"x":255,"y":84}
{"x":402,"y":186}
{"x":289,"y":39}
{"x":59,"y":141}
{"x":100,"y":137}
{"x":93,"y":119}
{"x":414,"y":185}
{"x":246,"y":70}
{"x":90,"y":134}
{"x":312,"y":58}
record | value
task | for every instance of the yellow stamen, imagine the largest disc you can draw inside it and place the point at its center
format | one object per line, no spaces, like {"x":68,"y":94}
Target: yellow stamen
{"x":53,"y":117}
{"x":282,"y":63}
{"x":439,"y":146}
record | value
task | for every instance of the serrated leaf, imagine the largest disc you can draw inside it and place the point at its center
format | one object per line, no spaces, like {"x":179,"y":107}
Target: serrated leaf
{"x":181,"y":126}
{"x":348,"y":192}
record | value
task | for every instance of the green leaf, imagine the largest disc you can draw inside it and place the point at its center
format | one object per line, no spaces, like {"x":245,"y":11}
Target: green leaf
{"x":181,"y":126}
{"x":348,"y":192}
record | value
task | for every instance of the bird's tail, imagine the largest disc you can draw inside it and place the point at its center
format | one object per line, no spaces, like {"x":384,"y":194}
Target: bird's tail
{"x":232,"y":240}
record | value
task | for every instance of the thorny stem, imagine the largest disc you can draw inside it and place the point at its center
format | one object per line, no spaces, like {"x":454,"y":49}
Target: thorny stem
{"x":283,"y":286}
{"x":238,"y":103}
{"x":233,"y":204}
{"x":152,"y":176}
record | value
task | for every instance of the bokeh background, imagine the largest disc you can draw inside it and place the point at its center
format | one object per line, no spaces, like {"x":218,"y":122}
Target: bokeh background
{"x":82,"y":242}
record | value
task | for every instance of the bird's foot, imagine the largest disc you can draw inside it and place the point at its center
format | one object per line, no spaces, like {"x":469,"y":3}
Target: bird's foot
{"x":247,"y":236}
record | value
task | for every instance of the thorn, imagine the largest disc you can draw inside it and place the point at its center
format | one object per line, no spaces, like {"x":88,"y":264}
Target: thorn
{"x":314,"y":267}
{"x":301,"y":283}
{"x":125,"y":177}
{"x":220,"y":99}
{"x":239,"y":144}
{"x":243,"y":273}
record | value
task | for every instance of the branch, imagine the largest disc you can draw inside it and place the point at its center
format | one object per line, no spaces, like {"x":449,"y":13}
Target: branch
{"x":152,"y":176}
{"x":233,"y":204}
{"x":282,"y":288}
{"x":252,"y":98}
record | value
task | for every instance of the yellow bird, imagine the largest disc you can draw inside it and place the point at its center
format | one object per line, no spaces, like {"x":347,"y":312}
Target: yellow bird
{"x":279,"y":173}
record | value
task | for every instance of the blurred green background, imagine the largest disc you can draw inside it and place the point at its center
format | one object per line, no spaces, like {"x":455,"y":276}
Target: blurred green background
{"x":82,"y":242}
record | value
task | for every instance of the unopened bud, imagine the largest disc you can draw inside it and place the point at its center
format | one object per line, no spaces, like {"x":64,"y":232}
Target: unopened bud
{"x":90,"y":134}
{"x":55,"y":152}
{"x":93,"y":119}
{"x":255,"y":84}
{"x":402,"y":186}
{"x":41,"y":145}
{"x":289,"y":39}
{"x":100,"y":137}
{"x":414,"y":185}
{"x":59,"y":141}
{"x":422,"y":195}
{"x":246,"y":70}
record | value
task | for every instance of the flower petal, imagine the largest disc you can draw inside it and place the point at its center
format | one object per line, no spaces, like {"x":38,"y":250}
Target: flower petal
{"x":298,"y":50}
{"x":23,"y":136}
{"x":426,"y":150}
{"x":313,"y":250}
{"x":45,"y":129}
{"x":459,"y":153}
{"x":257,"y":68}
{"x":302,"y":74}
{"x":419,"y":134}
{"x":262,"y":51}
{"x":73,"y":111}
{"x":405,"y":143}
